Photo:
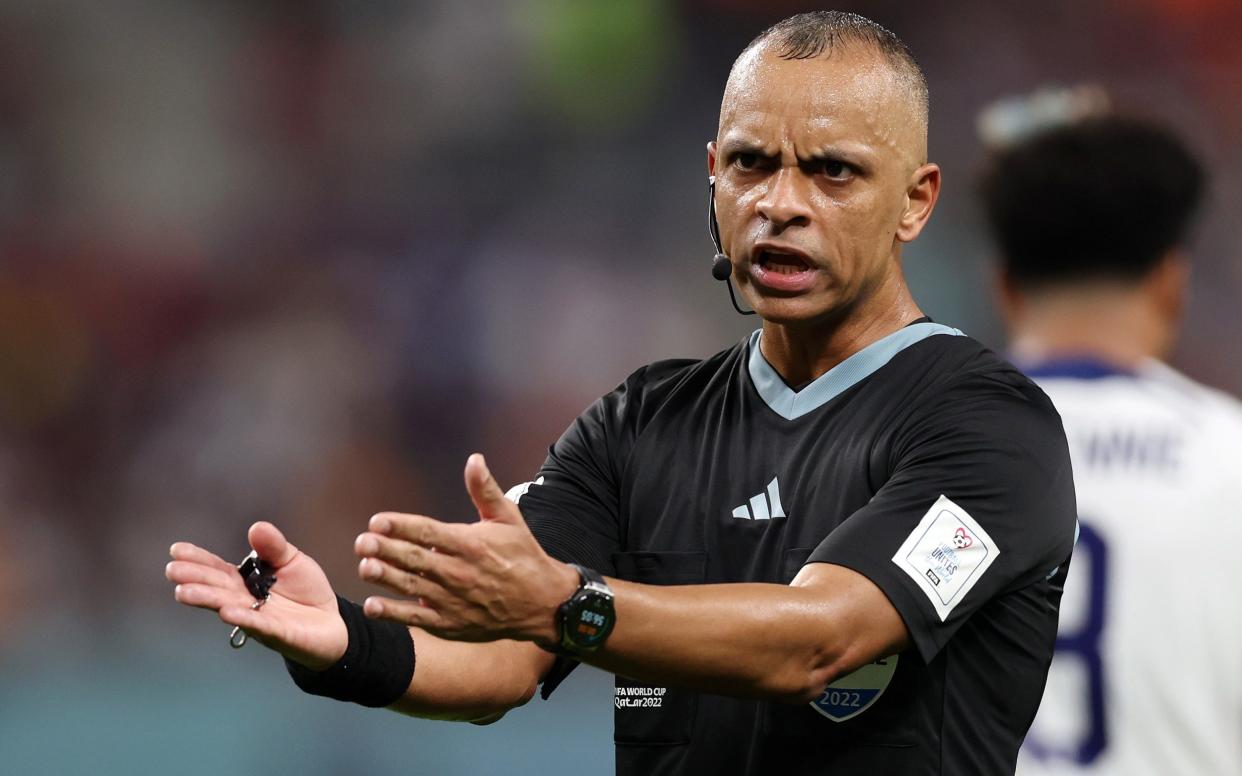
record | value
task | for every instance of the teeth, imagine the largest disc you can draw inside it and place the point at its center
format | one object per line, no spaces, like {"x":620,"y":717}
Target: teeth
{"x":782,"y":263}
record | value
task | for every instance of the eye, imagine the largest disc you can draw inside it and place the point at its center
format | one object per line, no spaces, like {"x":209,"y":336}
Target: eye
{"x":836,"y":169}
{"x":746,"y":161}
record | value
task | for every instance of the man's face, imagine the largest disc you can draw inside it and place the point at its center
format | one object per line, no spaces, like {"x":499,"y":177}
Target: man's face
{"x":814,"y":161}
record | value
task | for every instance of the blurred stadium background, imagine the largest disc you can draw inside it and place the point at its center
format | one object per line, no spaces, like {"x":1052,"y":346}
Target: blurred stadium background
{"x":295,"y":260}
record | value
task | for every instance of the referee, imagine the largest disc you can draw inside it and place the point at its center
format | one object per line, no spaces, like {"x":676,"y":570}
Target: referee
{"x":836,"y":547}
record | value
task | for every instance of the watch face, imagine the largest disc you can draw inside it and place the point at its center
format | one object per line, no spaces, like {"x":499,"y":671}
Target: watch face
{"x":588,"y":620}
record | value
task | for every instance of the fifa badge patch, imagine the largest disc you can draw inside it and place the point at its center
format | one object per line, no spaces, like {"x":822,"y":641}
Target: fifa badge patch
{"x":854,"y":693}
{"x":946,"y":554}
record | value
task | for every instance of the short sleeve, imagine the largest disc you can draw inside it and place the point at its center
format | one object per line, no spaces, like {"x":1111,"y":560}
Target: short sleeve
{"x":980,"y":502}
{"x":572,"y":505}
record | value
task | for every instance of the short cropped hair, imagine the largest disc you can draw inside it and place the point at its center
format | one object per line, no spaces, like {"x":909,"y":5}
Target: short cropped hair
{"x":1101,"y":198}
{"x":808,"y":35}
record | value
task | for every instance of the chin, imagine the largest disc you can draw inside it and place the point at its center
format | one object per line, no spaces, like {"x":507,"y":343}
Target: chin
{"x":797,"y":311}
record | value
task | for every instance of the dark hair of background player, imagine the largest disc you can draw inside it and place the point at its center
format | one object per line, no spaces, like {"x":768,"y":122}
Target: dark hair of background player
{"x":1105,"y":197}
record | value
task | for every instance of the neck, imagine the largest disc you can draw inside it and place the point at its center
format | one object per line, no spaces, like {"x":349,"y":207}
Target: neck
{"x":800,"y":352}
{"x":1112,"y":324}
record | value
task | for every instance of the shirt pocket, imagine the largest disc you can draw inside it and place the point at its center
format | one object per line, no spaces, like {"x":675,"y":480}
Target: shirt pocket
{"x":793,"y":562}
{"x":799,"y":722}
{"x":643,"y":713}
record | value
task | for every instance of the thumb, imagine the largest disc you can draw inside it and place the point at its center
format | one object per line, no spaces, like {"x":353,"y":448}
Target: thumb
{"x":487,"y":495}
{"x":271,"y":544}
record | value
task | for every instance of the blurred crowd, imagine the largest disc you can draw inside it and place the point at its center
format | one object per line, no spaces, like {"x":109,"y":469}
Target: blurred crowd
{"x":295,"y":260}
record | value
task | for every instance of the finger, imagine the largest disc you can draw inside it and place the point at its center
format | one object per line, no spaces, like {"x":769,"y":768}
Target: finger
{"x":442,"y":568}
{"x":253,"y":621}
{"x":453,"y":538}
{"x":181,"y":572}
{"x":195,"y":554}
{"x":402,"y":582}
{"x":271,"y":544}
{"x":486,"y":493}
{"x":402,"y":554}
{"x":404,"y":612}
{"x":208,"y":597}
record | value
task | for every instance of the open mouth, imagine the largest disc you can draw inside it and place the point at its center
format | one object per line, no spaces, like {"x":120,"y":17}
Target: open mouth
{"x":782,"y":272}
{"x":781,"y":263}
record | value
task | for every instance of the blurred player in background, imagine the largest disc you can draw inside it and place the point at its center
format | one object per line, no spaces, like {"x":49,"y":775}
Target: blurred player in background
{"x":1090,"y":216}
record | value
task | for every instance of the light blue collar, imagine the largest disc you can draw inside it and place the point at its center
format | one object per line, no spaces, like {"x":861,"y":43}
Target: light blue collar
{"x":789,"y":404}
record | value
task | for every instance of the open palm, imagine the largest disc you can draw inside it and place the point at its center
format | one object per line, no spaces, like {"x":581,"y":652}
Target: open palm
{"x":300,"y":620}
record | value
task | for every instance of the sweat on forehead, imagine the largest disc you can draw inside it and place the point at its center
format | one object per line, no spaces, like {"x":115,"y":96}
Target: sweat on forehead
{"x":819,"y":35}
{"x":851,"y":92}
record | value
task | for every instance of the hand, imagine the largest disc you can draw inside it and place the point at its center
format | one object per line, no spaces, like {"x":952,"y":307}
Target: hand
{"x":481,"y":581}
{"x":300,"y":620}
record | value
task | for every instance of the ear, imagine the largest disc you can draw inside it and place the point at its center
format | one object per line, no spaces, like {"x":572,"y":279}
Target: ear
{"x":711,"y":157}
{"x":1010,"y":299}
{"x":1167,"y":283}
{"x":921,"y":196}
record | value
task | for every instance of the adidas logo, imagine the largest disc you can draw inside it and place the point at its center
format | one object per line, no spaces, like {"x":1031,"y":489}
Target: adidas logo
{"x":763,"y":506}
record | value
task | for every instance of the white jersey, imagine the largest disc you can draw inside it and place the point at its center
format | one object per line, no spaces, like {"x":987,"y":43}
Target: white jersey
{"x":1147,"y":677}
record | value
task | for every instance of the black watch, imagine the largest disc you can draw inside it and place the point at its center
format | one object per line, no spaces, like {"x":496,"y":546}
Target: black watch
{"x":586,"y":619}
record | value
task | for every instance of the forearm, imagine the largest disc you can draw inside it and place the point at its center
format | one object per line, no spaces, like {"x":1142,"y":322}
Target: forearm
{"x":470,"y":681}
{"x":408,"y":670}
{"x":491,"y":580}
{"x":755,"y":640}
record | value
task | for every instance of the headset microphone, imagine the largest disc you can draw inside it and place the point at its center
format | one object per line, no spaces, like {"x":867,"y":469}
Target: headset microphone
{"x":722,"y":265}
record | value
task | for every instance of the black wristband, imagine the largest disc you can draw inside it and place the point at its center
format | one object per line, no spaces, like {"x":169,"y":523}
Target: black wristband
{"x":376,"y":668}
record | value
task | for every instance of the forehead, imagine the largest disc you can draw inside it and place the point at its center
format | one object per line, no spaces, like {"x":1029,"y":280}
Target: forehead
{"x":847,"y":95}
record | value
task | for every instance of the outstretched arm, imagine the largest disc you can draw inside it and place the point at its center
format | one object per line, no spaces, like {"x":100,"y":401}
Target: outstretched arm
{"x":301,"y":621}
{"x":491,"y":580}
{"x":471,"y":682}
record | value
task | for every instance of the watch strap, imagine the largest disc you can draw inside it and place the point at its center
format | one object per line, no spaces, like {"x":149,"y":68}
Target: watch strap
{"x":588,"y":580}
{"x":586,"y":575}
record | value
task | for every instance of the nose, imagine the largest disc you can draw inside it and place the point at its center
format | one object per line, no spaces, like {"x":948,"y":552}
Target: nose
{"x":786,"y":202}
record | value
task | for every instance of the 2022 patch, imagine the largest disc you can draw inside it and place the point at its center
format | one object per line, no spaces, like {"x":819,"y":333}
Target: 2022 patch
{"x":854,"y":693}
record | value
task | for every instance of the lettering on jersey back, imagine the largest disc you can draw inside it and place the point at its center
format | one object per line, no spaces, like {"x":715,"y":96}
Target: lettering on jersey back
{"x":1132,"y":448}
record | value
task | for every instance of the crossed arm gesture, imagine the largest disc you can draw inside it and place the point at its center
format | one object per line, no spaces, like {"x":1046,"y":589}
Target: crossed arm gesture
{"x":478,"y":598}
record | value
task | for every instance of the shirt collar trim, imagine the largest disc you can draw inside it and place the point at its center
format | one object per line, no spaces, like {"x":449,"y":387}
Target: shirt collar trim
{"x":1074,"y":367}
{"x":790,"y":404}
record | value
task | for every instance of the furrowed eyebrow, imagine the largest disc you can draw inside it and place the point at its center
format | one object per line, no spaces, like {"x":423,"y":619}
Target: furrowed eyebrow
{"x":835,"y":155}
{"x":735,"y":147}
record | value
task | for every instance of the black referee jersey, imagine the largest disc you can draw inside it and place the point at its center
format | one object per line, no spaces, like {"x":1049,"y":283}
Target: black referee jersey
{"x":924,"y":462}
